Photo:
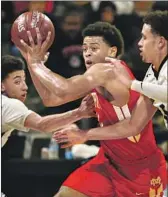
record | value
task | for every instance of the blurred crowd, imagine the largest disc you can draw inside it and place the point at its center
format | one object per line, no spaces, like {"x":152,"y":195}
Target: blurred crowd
{"x":69,"y":19}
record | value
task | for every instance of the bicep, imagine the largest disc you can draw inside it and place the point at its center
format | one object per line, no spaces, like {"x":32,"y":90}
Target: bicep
{"x":76,"y":87}
{"x":119,"y":92}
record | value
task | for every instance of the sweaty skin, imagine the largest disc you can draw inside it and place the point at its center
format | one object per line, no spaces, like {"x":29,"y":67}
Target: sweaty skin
{"x":61,"y":90}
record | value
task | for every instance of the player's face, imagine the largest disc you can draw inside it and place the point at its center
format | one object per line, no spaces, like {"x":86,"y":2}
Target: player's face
{"x":14,"y":85}
{"x":94,"y":50}
{"x":148,"y":45}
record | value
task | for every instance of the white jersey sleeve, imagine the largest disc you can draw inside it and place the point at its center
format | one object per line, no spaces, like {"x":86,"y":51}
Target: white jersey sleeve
{"x":150,"y":90}
{"x":14,"y":113}
{"x":159,"y":78}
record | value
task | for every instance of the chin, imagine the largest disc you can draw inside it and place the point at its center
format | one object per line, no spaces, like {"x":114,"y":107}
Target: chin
{"x":22,"y":99}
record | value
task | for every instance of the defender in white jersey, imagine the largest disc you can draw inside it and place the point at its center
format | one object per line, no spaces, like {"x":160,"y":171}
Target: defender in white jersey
{"x":15,"y":115}
{"x":159,"y":80}
{"x":153,"y":49}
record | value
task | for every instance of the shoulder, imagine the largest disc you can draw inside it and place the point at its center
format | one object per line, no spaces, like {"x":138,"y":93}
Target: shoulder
{"x":11,"y":102}
{"x":12,"y":107}
{"x":163,"y":71}
{"x":149,"y":76}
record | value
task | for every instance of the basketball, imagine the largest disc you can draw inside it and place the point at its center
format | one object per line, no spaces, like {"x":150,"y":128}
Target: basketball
{"x":28,"y":21}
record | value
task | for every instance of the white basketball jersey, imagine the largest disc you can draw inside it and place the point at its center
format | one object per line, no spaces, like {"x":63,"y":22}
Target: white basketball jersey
{"x":14,"y":113}
{"x":159,"y":78}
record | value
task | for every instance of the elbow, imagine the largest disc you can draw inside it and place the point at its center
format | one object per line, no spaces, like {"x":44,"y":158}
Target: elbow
{"x":133,"y":130}
{"x":42,"y":127}
{"x":48,"y":103}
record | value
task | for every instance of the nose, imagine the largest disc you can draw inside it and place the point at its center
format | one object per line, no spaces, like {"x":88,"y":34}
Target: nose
{"x":88,"y":53}
{"x":140,"y":43}
{"x":24,"y":86}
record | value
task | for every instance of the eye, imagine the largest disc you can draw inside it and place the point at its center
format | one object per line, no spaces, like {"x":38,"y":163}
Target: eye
{"x":94,"y":48}
{"x":84,"y":49}
{"x":17,"y":82}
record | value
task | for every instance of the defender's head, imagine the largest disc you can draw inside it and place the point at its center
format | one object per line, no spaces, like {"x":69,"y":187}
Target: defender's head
{"x":13,"y":77}
{"x":154,"y":38}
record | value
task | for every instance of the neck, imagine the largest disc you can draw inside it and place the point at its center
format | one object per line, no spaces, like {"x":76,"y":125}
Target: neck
{"x":160,"y":57}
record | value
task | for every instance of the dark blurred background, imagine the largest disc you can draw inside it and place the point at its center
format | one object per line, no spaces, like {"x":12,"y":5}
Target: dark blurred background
{"x":28,"y":169}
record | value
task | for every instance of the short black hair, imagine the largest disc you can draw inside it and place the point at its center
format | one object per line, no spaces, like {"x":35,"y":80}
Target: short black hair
{"x":10,"y":64}
{"x":111,"y":35}
{"x":158,"y":20}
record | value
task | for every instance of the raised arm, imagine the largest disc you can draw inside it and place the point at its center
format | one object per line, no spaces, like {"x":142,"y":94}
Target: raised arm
{"x":67,"y":89}
{"x":122,"y":129}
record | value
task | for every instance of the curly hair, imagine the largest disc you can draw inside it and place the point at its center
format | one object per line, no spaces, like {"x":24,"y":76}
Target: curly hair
{"x":111,"y":35}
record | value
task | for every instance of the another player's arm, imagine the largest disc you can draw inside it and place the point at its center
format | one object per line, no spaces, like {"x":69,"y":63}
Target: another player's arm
{"x":17,"y":115}
{"x":142,"y":113}
{"x":155,"y":91}
{"x":51,"y":123}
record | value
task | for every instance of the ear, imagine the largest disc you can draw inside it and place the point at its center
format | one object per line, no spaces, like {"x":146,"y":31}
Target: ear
{"x":162,"y":42}
{"x":112,"y":52}
{"x":2,"y":87}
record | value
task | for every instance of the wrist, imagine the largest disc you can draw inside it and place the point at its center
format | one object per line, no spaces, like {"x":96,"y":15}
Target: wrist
{"x":85,"y":135}
{"x":136,"y":85}
{"x":77,"y":113}
{"x":34,"y":61}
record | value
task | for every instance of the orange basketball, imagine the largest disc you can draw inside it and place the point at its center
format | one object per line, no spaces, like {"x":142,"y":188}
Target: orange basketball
{"x":29,"y":21}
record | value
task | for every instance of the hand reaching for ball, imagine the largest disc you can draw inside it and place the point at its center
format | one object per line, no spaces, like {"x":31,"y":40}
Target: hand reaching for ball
{"x":35,"y":53}
{"x":30,"y":34}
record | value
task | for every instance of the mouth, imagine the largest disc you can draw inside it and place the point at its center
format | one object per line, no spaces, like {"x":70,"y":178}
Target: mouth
{"x":88,"y":63}
{"x":24,"y":95}
{"x":140,"y":52}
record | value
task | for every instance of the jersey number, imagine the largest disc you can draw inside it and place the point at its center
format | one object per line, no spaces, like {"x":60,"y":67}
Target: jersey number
{"x":123,"y":113}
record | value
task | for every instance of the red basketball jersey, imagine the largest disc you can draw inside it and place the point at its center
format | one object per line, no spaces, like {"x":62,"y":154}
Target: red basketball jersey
{"x":129,"y":150}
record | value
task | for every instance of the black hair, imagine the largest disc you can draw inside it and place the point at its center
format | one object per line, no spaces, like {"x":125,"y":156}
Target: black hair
{"x":158,"y":20}
{"x":160,"y":5}
{"x":104,"y":4}
{"x":111,"y":35}
{"x":10,"y":64}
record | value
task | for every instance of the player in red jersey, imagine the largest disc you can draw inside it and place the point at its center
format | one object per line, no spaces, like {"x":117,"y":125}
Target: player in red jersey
{"x":128,"y":167}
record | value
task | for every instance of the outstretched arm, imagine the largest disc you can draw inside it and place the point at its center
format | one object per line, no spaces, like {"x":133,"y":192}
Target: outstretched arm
{"x":122,"y":129}
{"x":154,"y":91}
{"x":141,"y":115}
{"x":51,"y":123}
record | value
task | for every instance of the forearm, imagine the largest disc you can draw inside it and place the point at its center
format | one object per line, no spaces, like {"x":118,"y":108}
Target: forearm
{"x":128,"y":127}
{"x":119,"y":130}
{"x":53,"y":83}
{"x":53,"y":122}
{"x":154,"y":91}
{"x":43,"y":92}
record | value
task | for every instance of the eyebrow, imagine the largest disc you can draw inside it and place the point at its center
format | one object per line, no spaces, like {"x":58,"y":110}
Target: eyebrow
{"x":17,"y":77}
{"x":91,"y":43}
